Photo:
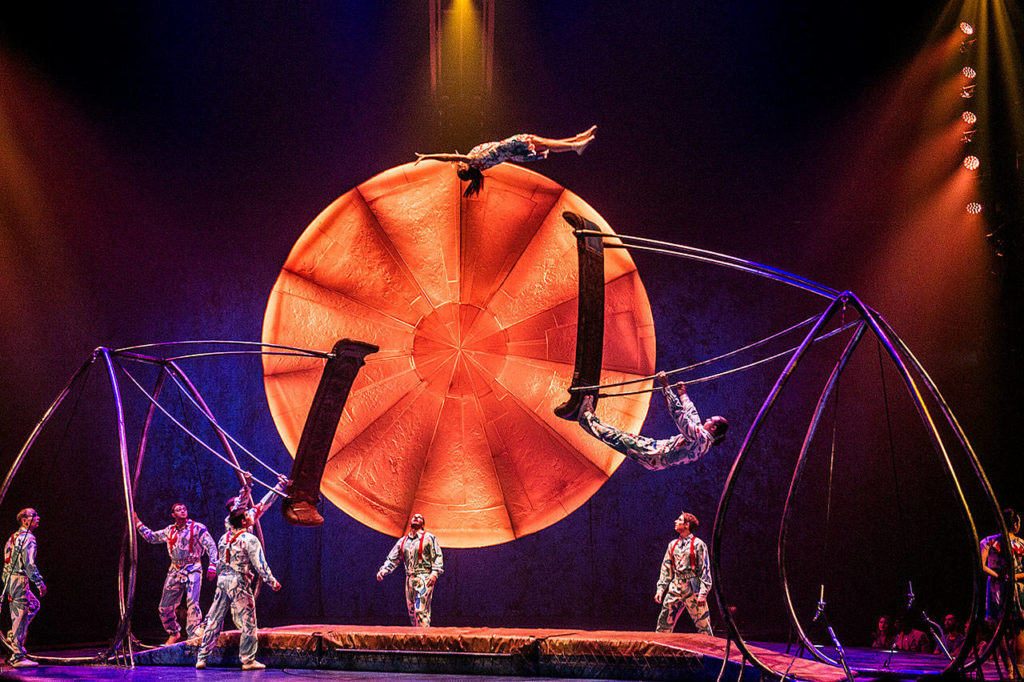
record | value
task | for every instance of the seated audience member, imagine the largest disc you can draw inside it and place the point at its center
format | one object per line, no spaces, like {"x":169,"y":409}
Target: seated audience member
{"x":909,"y":638}
{"x":884,"y":635}
{"x":954,"y":635}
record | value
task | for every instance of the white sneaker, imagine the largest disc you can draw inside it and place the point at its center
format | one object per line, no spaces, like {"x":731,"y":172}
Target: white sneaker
{"x":24,"y":663}
{"x":200,"y":665}
{"x":253,"y":665}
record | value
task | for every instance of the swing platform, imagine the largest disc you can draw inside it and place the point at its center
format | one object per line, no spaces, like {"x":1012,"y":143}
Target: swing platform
{"x":582,"y":654}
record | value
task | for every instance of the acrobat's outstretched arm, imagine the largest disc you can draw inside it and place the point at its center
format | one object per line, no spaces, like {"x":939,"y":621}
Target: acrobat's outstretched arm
{"x":441,"y":157}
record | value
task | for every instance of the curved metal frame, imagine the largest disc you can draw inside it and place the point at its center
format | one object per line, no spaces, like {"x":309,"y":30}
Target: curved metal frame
{"x":798,"y":469}
{"x":129,"y":478}
{"x":908,"y":366}
{"x":898,"y":353}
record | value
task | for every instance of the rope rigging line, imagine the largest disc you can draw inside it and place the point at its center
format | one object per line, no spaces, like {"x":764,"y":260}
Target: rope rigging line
{"x":213,"y":422}
{"x":737,"y":351}
{"x":702,"y":363}
{"x":892,"y":457}
{"x":195,"y":455}
{"x":709,"y":377}
{"x":183,"y":428}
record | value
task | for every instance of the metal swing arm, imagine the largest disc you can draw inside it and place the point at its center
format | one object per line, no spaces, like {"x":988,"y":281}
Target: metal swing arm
{"x":725,"y":260}
{"x":129,"y":546}
{"x":990,"y":498}
{"x":590,"y":315}
{"x":737,"y":467}
{"x":883,"y":331}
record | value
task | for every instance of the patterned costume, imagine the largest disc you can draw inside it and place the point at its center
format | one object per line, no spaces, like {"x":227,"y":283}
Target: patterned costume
{"x":516,"y":148}
{"x":185,"y":546}
{"x":692,"y":442}
{"x":19,"y":569}
{"x":421,"y":556}
{"x":997,"y":589}
{"x":241,"y":555}
{"x":685,"y":577}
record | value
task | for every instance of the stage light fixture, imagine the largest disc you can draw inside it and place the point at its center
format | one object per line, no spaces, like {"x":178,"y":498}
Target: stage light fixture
{"x":974,"y":208}
{"x":966,"y":28}
{"x":969,"y":73}
{"x":972,"y":162}
{"x":967,"y":91}
{"x":969,"y":117}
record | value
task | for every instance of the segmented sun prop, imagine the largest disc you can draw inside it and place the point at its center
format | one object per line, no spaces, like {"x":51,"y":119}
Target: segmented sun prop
{"x":473,"y":303}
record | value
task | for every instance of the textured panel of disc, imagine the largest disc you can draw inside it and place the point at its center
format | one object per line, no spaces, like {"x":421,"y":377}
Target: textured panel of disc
{"x":473,"y":303}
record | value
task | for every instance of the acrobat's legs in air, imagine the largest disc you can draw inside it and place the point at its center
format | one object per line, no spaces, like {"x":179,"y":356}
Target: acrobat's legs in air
{"x":576,"y":143}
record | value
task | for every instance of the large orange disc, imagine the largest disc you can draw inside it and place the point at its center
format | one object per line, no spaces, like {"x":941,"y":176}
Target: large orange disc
{"x":473,"y":303}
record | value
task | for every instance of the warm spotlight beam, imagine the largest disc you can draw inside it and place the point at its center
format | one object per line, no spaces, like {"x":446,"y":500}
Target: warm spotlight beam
{"x":461,"y":46}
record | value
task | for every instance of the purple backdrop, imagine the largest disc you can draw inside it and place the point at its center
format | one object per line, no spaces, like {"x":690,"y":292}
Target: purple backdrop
{"x":159,"y":161}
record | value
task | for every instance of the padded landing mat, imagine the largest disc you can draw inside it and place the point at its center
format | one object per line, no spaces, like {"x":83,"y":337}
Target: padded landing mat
{"x":495,"y":651}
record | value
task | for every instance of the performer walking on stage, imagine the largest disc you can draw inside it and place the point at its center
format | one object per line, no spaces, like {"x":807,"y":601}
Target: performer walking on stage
{"x":20,"y":569}
{"x":685,"y":579}
{"x":521,"y":148}
{"x":186,"y":541}
{"x":241,"y":555}
{"x":693,"y":441}
{"x":421,"y":555}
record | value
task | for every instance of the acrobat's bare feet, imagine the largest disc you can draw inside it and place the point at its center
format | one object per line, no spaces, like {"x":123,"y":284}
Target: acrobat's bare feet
{"x":589,"y":132}
{"x":578,"y":147}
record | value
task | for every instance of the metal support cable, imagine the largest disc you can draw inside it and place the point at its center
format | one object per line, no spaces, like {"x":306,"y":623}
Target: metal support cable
{"x":711,"y":377}
{"x":216,"y":426}
{"x":702,"y":363}
{"x":183,"y":428}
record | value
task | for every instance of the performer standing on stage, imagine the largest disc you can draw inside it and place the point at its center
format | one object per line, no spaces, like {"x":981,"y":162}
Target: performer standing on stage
{"x":241,"y":555}
{"x":421,"y":556}
{"x":685,"y":578}
{"x":520,"y":148}
{"x":1006,"y":584}
{"x":19,"y":569}
{"x":693,"y":441}
{"x":186,"y":542}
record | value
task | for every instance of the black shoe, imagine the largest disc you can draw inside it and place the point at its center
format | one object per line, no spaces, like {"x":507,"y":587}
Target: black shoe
{"x":302,"y":513}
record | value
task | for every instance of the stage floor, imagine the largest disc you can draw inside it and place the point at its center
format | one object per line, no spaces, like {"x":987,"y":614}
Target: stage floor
{"x":335,"y":652}
{"x":584,"y":654}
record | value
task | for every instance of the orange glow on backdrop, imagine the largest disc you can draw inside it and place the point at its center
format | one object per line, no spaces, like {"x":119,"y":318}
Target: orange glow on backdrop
{"x":473,"y":303}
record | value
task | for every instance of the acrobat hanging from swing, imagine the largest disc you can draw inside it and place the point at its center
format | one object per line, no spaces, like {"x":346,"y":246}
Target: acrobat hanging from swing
{"x":692,"y":442}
